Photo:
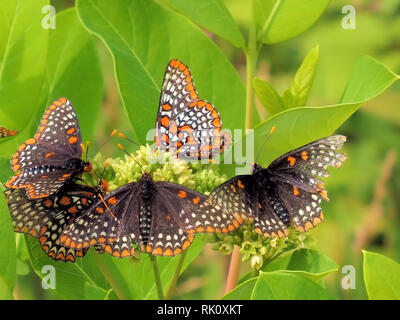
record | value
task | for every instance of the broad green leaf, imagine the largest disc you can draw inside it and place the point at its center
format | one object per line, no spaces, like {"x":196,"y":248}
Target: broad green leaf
{"x":298,"y":126}
{"x":268,"y":96}
{"x":308,"y":263}
{"x":241,"y":292}
{"x":138,"y":274}
{"x":95,"y":293}
{"x":70,"y":277}
{"x":23,"y":47}
{"x":213,"y":16}
{"x":73,"y":71}
{"x":280,"y":20}
{"x":70,"y":69}
{"x":297,"y":94}
{"x":7,"y":252}
{"x":286,"y":286}
{"x":381,"y":277}
{"x":143,"y":36}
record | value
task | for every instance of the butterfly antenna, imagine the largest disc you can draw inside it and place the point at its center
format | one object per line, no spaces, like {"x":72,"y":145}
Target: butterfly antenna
{"x":129,"y":155}
{"x":107,"y":139}
{"x":121,"y":135}
{"x":266,"y":139}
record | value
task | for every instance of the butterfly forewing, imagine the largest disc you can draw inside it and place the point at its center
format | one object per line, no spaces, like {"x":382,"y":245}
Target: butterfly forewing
{"x":53,"y":157}
{"x":186,"y":125}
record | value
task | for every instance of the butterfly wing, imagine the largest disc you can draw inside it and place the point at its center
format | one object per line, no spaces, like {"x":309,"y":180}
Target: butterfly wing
{"x":294,"y":179}
{"x":237,"y":196}
{"x":302,"y":167}
{"x":107,"y":223}
{"x":46,"y":218}
{"x":4,"y":132}
{"x":185,"y":125}
{"x":59,"y":129}
{"x":49,"y":160}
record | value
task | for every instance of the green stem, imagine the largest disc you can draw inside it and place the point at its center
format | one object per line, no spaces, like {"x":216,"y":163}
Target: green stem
{"x":251,"y":62}
{"x":178,"y":269}
{"x":110,"y":278}
{"x":157,"y":277}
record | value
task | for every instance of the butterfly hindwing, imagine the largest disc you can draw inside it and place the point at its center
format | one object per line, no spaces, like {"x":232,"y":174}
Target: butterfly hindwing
{"x":46,"y":218}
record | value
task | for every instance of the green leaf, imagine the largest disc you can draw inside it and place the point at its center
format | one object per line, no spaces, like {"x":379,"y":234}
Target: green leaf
{"x":285,"y":286}
{"x":268,"y":96}
{"x":70,"y":69}
{"x":70,"y":277}
{"x":213,"y":16}
{"x":280,"y":20}
{"x":297,"y":94}
{"x":23,"y":46}
{"x":7,"y":252}
{"x":143,"y":36}
{"x":381,"y":277}
{"x":138,"y":274}
{"x":308,"y":263}
{"x":95,"y":293}
{"x":243,"y":291}
{"x":298,"y":126}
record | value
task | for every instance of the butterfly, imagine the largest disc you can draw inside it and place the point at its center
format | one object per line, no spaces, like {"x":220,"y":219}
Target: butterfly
{"x":46,"y":218}
{"x":52,"y":158}
{"x":186,"y":125}
{"x":287,"y":192}
{"x":4,"y":132}
{"x":150,"y":213}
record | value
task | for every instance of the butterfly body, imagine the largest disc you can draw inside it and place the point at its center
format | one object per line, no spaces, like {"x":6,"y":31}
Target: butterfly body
{"x":45,"y":163}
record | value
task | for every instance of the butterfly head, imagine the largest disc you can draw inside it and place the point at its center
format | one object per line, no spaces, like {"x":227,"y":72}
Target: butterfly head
{"x":87,"y":166}
{"x":256,"y":168}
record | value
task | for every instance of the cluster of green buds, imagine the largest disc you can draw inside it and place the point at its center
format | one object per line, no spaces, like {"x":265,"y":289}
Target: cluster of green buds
{"x":256,"y":248}
{"x":203,"y":178}
{"x":161,"y":166}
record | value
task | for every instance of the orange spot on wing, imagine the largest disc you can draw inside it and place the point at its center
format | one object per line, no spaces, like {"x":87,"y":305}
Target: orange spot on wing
{"x":196,"y":200}
{"x":167,"y":253}
{"x":73,"y":210}
{"x":240,"y":184}
{"x":71,"y":131}
{"x":65,"y":201}
{"x":112,"y":201}
{"x":48,"y":155}
{"x":296,"y":191}
{"x":182,"y":194}
{"x":291,"y":160}
{"x":157,"y":251}
{"x":30,"y":141}
{"x":304,"y":155}
{"x":72,"y":140}
{"x":165,"y":122}
{"x":166,"y":107}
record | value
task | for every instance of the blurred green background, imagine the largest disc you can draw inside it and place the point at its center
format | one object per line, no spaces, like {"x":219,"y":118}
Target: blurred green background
{"x":364,"y":209}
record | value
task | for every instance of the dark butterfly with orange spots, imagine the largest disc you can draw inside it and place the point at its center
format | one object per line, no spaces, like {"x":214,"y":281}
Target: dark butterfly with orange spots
{"x":46,"y":218}
{"x":52,"y":158}
{"x":187,"y":126}
{"x":287,"y":192}
{"x":4,"y":132}
{"x":159,"y":216}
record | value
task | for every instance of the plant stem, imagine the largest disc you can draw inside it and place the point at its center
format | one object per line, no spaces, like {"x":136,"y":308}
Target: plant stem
{"x":234,"y":268}
{"x":251,"y":62}
{"x":178,"y":269}
{"x":110,"y":278}
{"x":157,"y":277}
